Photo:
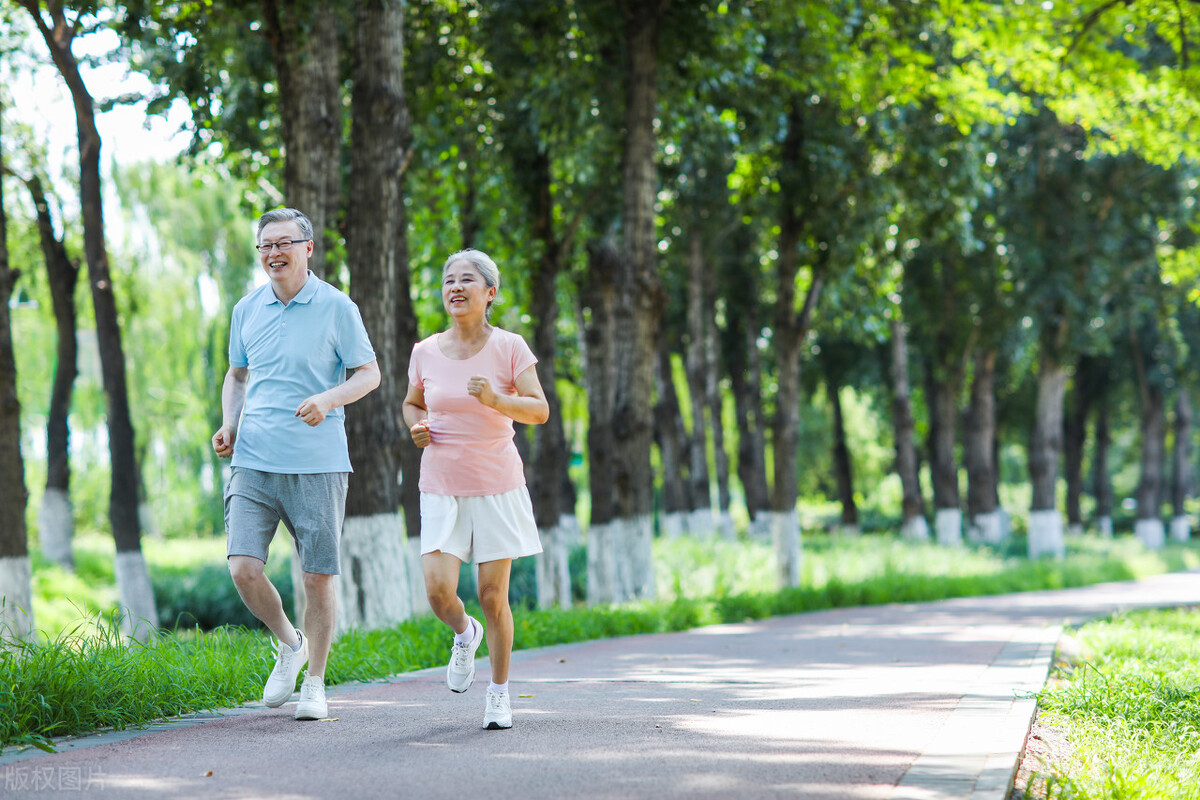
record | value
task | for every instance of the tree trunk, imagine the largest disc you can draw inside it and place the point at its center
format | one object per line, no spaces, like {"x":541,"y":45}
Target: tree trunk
{"x":1181,"y":475}
{"x":374,"y":586}
{"x":553,"y":500}
{"x":303,"y":35}
{"x":1102,"y":488}
{"x":943,"y":418}
{"x":407,"y":335}
{"x":698,"y":365}
{"x":669,"y":435}
{"x":913,"y":524}
{"x":979,"y":442}
{"x":1149,"y":525}
{"x":843,"y":469}
{"x":746,"y":380}
{"x":1045,"y":522}
{"x":607,"y":580}
{"x":56,"y":519}
{"x":713,"y":400}
{"x":790,"y":329}
{"x":638,"y":307}
{"x":468,"y":204}
{"x":16,"y":576}
{"x":139,"y":615}
{"x":1074,"y":439}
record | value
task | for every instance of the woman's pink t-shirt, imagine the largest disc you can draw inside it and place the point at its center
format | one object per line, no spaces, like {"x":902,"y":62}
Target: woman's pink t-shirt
{"x":471,"y":451}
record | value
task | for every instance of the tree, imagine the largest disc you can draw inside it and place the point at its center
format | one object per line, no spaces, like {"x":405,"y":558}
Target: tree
{"x":546,"y":142}
{"x":621,"y":527}
{"x":376,"y":582}
{"x":16,"y":576}
{"x":303,"y":35}
{"x":56,"y":524}
{"x":1181,"y":474}
{"x":139,"y":615}
{"x":913,"y":524}
{"x":1123,"y":70}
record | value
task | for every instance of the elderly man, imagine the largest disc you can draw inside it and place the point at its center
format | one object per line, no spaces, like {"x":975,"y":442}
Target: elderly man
{"x":291,"y":343}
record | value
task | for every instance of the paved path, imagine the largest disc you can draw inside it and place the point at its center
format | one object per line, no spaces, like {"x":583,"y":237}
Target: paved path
{"x":904,"y":701}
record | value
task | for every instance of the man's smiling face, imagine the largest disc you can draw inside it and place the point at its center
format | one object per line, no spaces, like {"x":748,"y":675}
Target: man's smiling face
{"x":288,"y":266}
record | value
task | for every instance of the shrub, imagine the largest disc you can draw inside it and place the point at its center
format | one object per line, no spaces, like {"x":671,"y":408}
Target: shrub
{"x":204,"y":596}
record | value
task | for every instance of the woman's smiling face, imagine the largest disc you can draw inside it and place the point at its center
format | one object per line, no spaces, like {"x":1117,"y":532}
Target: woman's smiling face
{"x":465,"y":293}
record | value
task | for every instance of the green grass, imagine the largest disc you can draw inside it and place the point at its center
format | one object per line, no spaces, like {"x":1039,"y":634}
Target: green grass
{"x":1130,"y":711}
{"x":87,"y":678}
{"x":93,"y":679}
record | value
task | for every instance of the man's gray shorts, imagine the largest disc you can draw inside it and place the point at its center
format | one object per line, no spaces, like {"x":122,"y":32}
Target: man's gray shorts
{"x":312,"y":507}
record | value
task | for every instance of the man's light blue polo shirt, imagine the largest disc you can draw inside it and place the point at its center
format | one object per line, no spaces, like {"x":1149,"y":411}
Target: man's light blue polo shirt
{"x":294,"y":352}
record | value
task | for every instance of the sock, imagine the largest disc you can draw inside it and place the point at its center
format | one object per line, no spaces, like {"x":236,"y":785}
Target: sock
{"x":467,"y":636}
{"x":299,"y":642}
{"x":498,"y":688}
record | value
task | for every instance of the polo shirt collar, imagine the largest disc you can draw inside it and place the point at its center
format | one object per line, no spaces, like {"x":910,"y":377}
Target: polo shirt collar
{"x":303,"y":296}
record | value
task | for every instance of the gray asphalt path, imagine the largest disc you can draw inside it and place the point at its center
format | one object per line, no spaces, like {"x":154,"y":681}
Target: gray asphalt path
{"x":922,"y":700}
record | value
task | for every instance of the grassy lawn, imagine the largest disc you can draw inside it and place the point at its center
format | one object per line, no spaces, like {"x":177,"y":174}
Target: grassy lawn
{"x":1126,"y":717}
{"x":80,"y":677}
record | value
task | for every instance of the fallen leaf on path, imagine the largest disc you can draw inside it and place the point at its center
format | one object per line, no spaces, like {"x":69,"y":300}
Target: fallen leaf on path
{"x":524,"y":695}
{"x":562,"y":661}
{"x":208,"y":774}
{"x":328,"y":719}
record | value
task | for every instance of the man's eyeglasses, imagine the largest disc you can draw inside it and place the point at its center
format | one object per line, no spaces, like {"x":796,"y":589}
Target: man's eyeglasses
{"x":282,"y":247}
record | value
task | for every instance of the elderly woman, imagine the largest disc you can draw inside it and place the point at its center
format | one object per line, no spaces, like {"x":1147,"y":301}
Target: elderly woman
{"x":466,"y":386}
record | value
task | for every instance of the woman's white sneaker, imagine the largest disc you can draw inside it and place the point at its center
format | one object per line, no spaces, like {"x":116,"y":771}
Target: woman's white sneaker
{"x":498,"y":714}
{"x":460,"y":672}
{"x":312,"y":703}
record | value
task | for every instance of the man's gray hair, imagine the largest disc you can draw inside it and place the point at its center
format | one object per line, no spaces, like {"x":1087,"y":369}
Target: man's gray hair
{"x":483,"y":264}
{"x":287,"y":215}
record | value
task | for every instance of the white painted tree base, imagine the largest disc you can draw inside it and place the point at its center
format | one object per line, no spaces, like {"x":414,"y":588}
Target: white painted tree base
{"x":553,"y":569}
{"x":16,"y":597}
{"x":1181,"y":529}
{"x":726,"y":527}
{"x":701,"y":523}
{"x":620,"y":561}
{"x":915,"y":529}
{"x":568,"y":525}
{"x":602,"y":564}
{"x":1075,"y":530}
{"x":849,"y":531}
{"x":373,"y":589}
{"x":789,"y":554}
{"x":1046,"y":534}
{"x":1151,"y":532}
{"x":759,"y":528}
{"x":56,"y":528}
{"x":674,"y":524}
{"x":139,"y":614}
{"x":1105,"y":526}
{"x":640,"y":537}
{"x":948,"y":524}
{"x":988,"y":528}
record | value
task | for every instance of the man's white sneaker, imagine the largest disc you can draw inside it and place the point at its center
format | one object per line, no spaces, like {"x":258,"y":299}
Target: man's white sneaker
{"x":460,"y":672}
{"x":282,"y":681}
{"x":498,"y":714}
{"x":312,"y":703}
